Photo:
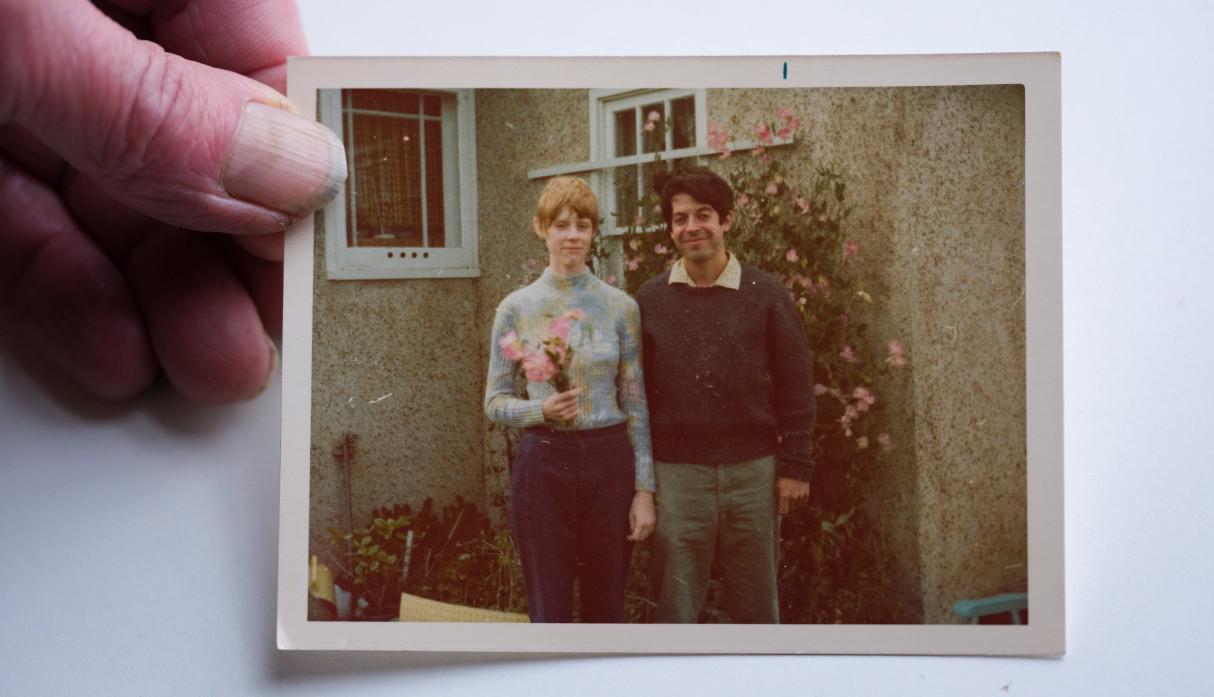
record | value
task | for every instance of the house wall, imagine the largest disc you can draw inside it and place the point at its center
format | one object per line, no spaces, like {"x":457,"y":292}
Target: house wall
{"x":397,"y":362}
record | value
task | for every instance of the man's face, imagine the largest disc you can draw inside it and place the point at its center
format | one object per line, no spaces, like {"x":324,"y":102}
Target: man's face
{"x":696,"y":229}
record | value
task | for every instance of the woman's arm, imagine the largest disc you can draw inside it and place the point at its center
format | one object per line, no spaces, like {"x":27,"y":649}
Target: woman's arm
{"x":502,"y":404}
{"x":631,"y":386}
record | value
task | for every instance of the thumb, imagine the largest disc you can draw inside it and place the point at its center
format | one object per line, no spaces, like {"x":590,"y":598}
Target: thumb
{"x":185,"y":143}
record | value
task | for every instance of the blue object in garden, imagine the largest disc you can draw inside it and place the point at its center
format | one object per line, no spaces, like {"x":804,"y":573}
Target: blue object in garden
{"x":976,"y":608}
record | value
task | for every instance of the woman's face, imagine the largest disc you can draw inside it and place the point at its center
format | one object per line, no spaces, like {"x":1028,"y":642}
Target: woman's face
{"x":568,"y":238}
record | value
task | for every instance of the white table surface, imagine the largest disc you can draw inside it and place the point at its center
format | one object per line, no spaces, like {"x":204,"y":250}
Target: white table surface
{"x":139,"y":540}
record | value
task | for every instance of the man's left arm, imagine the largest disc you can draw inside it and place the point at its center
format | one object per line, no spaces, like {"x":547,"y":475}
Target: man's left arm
{"x":791,"y":366}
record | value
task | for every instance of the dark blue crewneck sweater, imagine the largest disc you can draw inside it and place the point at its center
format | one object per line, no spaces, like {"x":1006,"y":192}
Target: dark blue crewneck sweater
{"x":728,"y":373}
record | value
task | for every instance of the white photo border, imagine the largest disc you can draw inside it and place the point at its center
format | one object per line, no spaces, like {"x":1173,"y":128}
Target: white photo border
{"x":1039,"y":73}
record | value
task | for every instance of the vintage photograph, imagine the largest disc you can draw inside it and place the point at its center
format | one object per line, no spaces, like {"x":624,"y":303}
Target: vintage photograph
{"x":668,"y":355}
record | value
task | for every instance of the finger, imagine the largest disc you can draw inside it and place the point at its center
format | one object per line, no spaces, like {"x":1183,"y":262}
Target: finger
{"x":268,"y":247}
{"x":23,"y":149}
{"x":202,"y":321}
{"x":118,"y":230}
{"x":65,"y":295}
{"x":134,"y":22}
{"x":115,"y":228}
{"x":234,"y":35}
{"x":263,"y":280}
{"x":185,"y":143}
{"x":269,"y":32}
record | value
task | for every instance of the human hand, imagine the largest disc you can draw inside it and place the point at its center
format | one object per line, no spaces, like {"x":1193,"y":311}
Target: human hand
{"x":791,"y":492}
{"x":642,"y":517}
{"x":116,"y":152}
{"x":562,"y":406}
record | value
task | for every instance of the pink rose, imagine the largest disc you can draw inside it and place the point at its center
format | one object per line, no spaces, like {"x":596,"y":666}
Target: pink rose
{"x":559,"y":327}
{"x":885,"y":441}
{"x":538,"y":367}
{"x":793,"y":123}
{"x":896,"y":357}
{"x":772,"y":188}
{"x":784,"y":133}
{"x":634,"y":244}
{"x":742,"y":200}
{"x":660,"y":249}
{"x":864,"y":396}
{"x":648,"y":126}
{"x":791,"y":254}
{"x":653,"y":117}
{"x":820,"y":390}
{"x":850,"y":249}
{"x":512,"y":347}
{"x":848,"y":354}
{"x":763,"y":132}
{"x":632,"y":263}
{"x":803,"y":204}
{"x":786,"y":113}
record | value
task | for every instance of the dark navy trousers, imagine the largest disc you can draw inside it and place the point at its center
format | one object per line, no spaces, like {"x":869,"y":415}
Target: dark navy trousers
{"x":570,"y":493}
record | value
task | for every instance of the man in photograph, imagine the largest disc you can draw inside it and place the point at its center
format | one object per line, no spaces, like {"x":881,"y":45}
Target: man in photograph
{"x":729,"y":382}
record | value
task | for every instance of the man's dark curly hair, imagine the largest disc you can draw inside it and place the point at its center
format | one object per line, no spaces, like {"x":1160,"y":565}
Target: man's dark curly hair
{"x":701,"y":183}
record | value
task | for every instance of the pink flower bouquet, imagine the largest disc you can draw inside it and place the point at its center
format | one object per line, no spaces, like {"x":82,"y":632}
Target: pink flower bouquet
{"x":550,"y":360}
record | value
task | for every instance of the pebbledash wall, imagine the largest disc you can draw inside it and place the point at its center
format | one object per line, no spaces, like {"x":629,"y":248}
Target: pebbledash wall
{"x":936,"y":176}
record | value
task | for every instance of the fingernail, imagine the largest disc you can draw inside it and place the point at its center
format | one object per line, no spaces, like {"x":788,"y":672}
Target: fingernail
{"x":273,"y":368}
{"x":283,"y":161}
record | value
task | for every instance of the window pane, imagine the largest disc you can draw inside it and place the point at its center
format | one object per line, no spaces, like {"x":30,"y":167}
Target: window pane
{"x":387,"y":182}
{"x":625,"y":133}
{"x":433,"y":105}
{"x":435,"y":225}
{"x":625,"y":195}
{"x":683,"y":122}
{"x":395,"y":101}
{"x":655,"y":136}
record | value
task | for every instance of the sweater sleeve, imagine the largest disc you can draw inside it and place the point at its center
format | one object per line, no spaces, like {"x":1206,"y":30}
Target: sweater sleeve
{"x":791,"y":366}
{"x":631,"y":389}
{"x":502,"y":403}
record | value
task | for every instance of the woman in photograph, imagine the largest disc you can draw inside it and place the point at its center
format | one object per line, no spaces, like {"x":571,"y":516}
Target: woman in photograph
{"x":565,"y":366}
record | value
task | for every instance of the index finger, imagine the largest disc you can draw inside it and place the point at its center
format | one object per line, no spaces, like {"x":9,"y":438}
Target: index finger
{"x":249,"y":38}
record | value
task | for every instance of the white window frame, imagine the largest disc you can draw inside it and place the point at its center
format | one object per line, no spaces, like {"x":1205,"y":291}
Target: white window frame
{"x":601,"y":164}
{"x":345,"y":262}
{"x":605,"y":104}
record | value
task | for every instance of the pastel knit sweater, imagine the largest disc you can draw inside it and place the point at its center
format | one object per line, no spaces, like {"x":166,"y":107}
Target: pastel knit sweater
{"x":606,"y":360}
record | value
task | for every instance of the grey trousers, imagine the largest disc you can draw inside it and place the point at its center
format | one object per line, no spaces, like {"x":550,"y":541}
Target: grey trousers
{"x":725,"y":513}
